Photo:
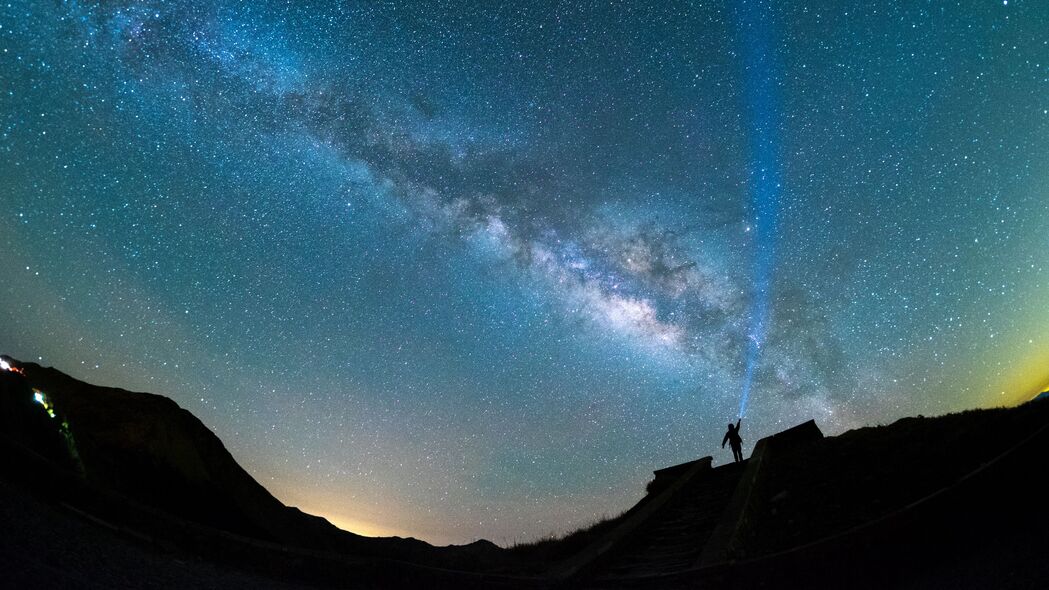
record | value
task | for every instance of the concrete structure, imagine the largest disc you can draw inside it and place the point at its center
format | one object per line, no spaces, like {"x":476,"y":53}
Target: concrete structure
{"x":689,"y":519}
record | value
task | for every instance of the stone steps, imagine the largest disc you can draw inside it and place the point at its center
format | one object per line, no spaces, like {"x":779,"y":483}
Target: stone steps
{"x":674,"y":539}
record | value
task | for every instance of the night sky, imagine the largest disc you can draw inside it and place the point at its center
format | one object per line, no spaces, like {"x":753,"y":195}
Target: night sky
{"x":457,"y":271}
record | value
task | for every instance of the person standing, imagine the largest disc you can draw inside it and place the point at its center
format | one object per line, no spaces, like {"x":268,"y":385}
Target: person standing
{"x":733,"y":439}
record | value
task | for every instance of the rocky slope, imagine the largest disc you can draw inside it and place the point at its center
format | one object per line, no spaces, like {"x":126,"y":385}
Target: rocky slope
{"x":953,"y":501}
{"x":147,"y":449}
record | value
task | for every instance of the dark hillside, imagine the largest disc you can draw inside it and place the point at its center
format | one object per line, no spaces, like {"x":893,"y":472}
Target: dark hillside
{"x":825,"y":487}
{"x":159,"y":457}
{"x":953,"y":501}
{"x":956,"y":499}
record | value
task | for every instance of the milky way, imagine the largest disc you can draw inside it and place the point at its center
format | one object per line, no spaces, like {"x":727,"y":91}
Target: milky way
{"x":461,"y":271}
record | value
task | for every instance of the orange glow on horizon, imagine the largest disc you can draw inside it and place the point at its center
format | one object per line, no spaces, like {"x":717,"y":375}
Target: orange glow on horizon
{"x":355,"y":526}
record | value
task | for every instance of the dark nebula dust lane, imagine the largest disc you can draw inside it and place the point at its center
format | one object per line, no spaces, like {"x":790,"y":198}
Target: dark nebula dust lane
{"x":474,"y":271}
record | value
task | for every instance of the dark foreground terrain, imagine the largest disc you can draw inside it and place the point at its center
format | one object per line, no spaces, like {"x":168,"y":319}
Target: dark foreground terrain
{"x":104,"y":488}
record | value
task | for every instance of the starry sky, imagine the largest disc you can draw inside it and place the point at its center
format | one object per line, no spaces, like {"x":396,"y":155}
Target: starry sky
{"x":457,"y":270}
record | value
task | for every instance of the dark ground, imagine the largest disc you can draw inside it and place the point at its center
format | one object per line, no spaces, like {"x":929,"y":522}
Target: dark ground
{"x":49,"y":546}
{"x":956,"y":501}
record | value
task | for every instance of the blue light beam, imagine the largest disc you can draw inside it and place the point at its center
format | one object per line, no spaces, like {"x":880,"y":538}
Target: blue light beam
{"x":761,"y":75}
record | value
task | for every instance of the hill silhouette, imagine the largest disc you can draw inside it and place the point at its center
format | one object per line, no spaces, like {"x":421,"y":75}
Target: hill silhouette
{"x":123,"y":485}
{"x":140,"y":460}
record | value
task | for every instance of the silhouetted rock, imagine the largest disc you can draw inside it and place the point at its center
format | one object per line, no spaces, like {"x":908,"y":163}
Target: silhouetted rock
{"x":953,"y":501}
{"x":148,"y":449}
{"x":946,"y":500}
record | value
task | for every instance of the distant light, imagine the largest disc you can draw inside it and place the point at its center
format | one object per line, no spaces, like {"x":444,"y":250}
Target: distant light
{"x":40,"y":398}
{"x":4,"y":365}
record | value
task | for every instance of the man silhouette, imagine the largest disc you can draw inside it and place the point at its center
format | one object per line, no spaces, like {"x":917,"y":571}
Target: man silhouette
{"x":734,"y":441}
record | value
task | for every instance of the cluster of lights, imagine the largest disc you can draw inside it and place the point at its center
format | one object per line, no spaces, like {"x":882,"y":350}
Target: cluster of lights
{"x":6,"y":366}
{"x":40,"y":398}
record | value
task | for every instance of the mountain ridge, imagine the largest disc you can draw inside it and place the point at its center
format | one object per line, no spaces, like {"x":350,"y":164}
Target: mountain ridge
{"x":148,"y":448}
{"x":942,"y":499}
